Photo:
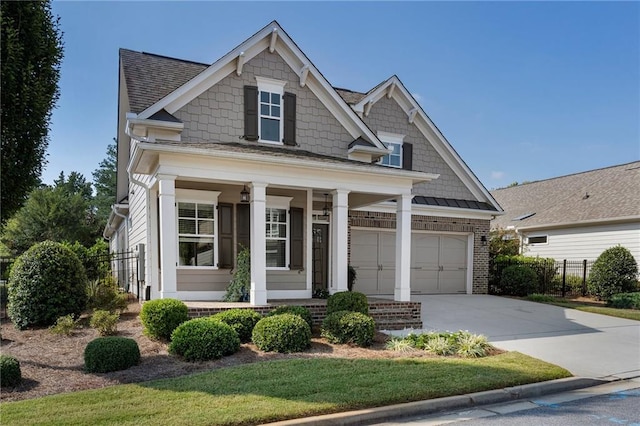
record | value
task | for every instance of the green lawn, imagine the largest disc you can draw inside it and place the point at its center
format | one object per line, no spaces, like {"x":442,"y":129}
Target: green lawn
{"x":632,"y":314}
{"x":278,"y":390}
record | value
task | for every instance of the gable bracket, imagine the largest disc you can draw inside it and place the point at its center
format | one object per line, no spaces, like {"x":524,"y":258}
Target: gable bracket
{"x":390,"y":90}
{"x":304,"y":73}
{"x":274,"y":38}
{"x":412,"y":114}
{"x":240,"y":63}
{"x":367,"y":108}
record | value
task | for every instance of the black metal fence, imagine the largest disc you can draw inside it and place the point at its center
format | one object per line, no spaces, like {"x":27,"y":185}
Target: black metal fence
{"x":123,"y":266}
{"x":564,"y":278}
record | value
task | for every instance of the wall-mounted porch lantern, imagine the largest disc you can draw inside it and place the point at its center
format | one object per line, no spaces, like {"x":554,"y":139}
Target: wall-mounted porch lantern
{"x":244,"y":195}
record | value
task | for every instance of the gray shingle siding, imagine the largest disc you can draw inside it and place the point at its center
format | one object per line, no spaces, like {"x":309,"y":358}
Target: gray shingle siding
{"x":387,"y":116}
{"x":217,"y":115}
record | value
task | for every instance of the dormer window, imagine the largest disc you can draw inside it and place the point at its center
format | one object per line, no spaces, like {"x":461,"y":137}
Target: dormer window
{"x":270,"y":100}
{"x":394,"y":142}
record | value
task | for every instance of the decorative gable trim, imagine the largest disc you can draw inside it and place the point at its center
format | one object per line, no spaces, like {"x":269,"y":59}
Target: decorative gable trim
{"x":394,"y":88}
{"x":274,"y":39}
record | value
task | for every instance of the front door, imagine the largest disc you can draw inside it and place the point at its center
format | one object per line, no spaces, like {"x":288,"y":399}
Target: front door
{"x":320,"y":248}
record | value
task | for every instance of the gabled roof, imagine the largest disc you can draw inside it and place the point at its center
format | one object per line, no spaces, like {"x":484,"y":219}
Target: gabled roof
{"x":150,"y":77}
{"x":603,"y":195}
{"x":395,"y":89}
{"x":174,"y":83}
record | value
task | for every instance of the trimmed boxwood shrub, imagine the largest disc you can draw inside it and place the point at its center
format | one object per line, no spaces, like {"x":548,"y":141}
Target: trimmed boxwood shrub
{"x":46,"y":282}
{"x":614,"y":271}
{"x":161,"y":316}
{"x":241,"y":320}
{"x":348,"y":301}
{"x":349,"y":327}
{"x":202,"y":339}
{"x":518,"y":280}
{"x":625,"y":301}
{"x":10,"y":374}
{"x":112,"y":353}
{"x":282,"y":333}
{"x":300,"y":311}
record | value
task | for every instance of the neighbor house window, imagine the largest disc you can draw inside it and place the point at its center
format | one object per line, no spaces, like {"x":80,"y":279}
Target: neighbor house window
{"x":270,"y":109}
{"x":394,"y":143}
{"x":196,"y":215}
{"x":277,"y":232}
{"x":540,"y":239}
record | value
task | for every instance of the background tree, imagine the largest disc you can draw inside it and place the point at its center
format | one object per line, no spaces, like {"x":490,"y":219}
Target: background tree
{"x":31,"y":54}
{"x":104,"y":181}
{"x":503,"y":242}
{"x":62,"y":212}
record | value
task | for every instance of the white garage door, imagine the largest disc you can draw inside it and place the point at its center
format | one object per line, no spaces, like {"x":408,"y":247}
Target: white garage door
{"x":438,"y":263}
{"x":373,"y":256}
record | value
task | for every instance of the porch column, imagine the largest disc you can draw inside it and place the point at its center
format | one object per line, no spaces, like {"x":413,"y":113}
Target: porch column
{"x":168,"y":236}
{"x":403,"y":249}
{"x":258,"y":294}
{"x":339,"y":240}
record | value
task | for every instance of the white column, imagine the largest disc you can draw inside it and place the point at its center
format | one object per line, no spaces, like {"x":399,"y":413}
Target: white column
{"x":309,"y":242}
{"x":339,"y":240}
{"x":168,"y":236}
{"x":258,"y":295}
{"x":403,"y":249}
{"x":153,"y":279}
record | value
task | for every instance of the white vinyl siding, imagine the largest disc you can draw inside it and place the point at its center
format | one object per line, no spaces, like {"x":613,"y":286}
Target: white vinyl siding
{"x":586,"y":242}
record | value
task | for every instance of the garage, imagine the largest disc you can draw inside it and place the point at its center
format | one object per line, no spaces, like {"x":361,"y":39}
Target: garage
{"x":438,"y":262}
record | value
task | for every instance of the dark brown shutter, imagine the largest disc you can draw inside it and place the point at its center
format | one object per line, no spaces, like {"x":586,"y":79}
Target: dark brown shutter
{"x":243,"y":222}
{"x":289,"y":119}
{"x":296,"y":242}
{"x":407,"y":156}
{"x":251,"y":113}
{"x":225,"y":235}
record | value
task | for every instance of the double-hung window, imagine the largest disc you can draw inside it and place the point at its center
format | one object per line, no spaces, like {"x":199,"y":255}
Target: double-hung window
{"x":277,"y":232}
{"x":197,"y":224}
{"x":270,"y":110}
{"x":394,"y":143}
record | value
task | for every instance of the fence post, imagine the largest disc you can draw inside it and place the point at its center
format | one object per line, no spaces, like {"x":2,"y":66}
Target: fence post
{"x":564,"y":278}
{"x":584,"y":277}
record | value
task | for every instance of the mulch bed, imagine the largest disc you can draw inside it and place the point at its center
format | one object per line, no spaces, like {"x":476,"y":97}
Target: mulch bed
{"x":53,"y":364}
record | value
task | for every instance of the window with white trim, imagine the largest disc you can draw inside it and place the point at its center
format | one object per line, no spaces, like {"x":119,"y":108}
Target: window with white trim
{"x":197,"y":224}
{"x":394,"y":143}
{"x":270,"y":109}
{"x":277,"y":232}
{"x":538,"y":239}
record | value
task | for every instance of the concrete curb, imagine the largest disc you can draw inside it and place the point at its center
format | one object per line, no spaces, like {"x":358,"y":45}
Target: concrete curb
{"x":409,"y":409}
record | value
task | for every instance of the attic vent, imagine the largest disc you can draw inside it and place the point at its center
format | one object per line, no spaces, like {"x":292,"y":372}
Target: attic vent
{"x":524,"y":216}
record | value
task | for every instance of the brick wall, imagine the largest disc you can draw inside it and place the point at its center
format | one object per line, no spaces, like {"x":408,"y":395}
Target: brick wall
{"x":477,"y":227}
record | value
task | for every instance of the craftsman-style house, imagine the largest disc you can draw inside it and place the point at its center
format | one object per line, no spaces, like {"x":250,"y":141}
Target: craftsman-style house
{"x":258,"y":150}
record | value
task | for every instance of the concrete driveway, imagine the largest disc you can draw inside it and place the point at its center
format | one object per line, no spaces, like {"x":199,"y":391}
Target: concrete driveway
{"x":588,"y":345}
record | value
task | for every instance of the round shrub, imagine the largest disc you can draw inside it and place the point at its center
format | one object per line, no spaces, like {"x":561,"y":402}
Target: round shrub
{"x":241,"y":320}
{"x":518,"y":280}
{"x":161,"y":316}
{"x":112,"y":353}
{"x":282,"y":333}
{"x":300,"y":311}
{"x":202,"y":339}
{"x":614,"y":271}
{"x":348,"y":301}
{"x":46,"y":282}
{"x":10,"y":374}
{"x":349,"y":327}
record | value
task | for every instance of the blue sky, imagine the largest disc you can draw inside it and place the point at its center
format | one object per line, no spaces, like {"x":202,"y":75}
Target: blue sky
{"x":522,"y":90}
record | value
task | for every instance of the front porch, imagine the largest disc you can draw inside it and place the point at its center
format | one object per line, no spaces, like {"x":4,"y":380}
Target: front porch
{"x":387,"y":314}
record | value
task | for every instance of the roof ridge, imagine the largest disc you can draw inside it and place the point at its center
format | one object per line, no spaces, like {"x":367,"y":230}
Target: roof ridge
{"x":166,"y":57}
{"x":568,"y":175}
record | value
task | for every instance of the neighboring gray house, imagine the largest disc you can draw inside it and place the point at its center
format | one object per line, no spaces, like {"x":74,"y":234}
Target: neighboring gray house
{"x":577,"y":216}
{"x":259,"y":150}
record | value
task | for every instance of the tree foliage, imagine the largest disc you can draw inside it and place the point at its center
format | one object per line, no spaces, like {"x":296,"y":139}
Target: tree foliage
{"x":104,"y":181}
{"x":503,"y":242}
{"x":31,"y":55}
{"x":57,"y":213}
